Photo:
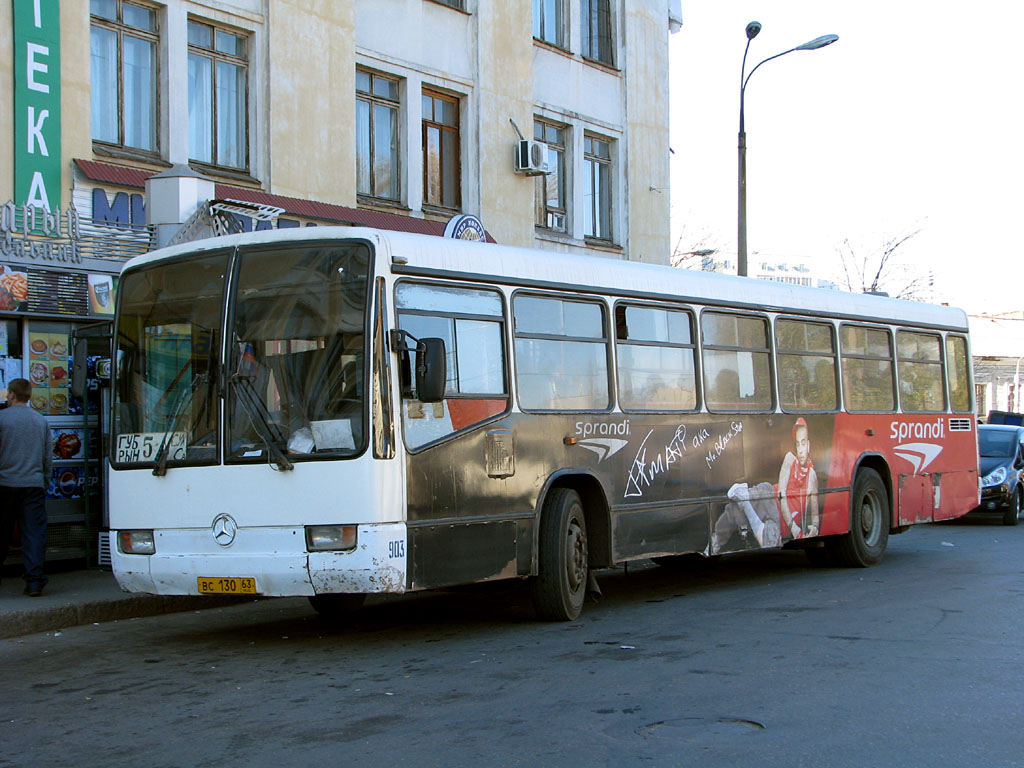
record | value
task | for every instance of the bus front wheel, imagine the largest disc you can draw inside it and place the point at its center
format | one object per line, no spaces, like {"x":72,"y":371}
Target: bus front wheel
{"x":337,"y":606}
{"x":865,"y":544}
{"x":560,"y":585}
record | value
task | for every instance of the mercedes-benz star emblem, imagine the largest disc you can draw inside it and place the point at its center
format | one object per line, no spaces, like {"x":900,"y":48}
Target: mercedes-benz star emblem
{"x":224,"y":529}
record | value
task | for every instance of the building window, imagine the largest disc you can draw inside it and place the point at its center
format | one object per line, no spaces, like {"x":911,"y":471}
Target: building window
{"x":123,"y":58}
{"x":596,"y":18}
{"x":377,"y":142}
{"x":597,"y":169}
{"x":217,"y":96}
{"x":457,"y":4}
{"x":547,"y":21}
{"x":441,"y":151}
{"x":551,"y":196}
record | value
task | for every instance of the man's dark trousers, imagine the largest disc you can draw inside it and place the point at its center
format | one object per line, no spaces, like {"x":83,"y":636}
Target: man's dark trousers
{"x":28,"y":507}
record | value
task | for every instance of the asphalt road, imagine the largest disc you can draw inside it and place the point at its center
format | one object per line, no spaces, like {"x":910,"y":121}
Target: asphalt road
{"x":754,"y":660}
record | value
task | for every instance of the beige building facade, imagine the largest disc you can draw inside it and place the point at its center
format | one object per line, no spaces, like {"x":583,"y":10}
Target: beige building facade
{"x":122,"y":119}
{"x":327,"y":101}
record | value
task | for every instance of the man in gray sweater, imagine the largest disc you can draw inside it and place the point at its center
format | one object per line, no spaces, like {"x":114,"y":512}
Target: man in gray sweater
{"x":25,"y":461}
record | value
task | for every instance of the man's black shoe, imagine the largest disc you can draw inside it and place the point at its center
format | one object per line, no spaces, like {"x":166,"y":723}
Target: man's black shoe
{"x":33,"y":591}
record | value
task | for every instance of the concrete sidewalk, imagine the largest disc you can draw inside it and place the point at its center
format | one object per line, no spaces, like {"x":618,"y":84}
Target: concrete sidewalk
{"x":84,"y":597}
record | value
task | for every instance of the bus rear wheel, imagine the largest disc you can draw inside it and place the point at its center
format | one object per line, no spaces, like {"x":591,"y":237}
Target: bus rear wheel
{"x":865,"y":544}
{"x":560,"y":585}
{"x":337,"y":606}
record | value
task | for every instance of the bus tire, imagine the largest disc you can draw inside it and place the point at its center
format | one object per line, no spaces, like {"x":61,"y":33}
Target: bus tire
{"x":1012,"y":514}
{"x":560,"y":585}
{"x":865,"y":544}
{"x":336,"y":606}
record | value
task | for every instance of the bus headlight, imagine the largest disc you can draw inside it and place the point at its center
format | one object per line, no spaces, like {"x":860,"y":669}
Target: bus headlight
{"x":330,"y":537}
{"x":136,"y":542}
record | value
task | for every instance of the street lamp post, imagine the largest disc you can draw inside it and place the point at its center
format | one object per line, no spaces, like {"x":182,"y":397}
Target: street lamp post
{"x":752,"y":29}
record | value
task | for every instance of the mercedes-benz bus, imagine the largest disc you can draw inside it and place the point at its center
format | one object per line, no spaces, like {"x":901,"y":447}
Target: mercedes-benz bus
{"x":334,"y":412}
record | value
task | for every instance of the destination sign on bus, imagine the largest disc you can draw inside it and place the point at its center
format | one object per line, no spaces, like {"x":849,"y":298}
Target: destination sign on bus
{"x":143,"y":446}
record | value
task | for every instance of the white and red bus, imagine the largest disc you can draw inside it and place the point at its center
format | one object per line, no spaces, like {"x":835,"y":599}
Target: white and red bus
{"x":335,"y":412}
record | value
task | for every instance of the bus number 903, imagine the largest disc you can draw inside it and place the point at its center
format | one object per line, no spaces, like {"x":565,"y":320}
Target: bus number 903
{"x":396,"y":549}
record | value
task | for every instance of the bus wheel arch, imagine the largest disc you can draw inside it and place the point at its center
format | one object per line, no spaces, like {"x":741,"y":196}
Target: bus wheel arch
{"x":572,"y":521}
{"x":870,"y":520}
{"x":595,"y":510}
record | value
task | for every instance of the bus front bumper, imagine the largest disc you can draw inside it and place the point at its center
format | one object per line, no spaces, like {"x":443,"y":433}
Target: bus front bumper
{"x":274,"y":559}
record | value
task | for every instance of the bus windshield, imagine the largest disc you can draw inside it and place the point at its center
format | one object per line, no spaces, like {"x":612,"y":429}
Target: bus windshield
{"x":289,"y":368}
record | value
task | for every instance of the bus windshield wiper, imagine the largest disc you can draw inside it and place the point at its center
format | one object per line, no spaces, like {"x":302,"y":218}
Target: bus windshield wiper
{"x":260,"y":418}
{"x":184,"y":399}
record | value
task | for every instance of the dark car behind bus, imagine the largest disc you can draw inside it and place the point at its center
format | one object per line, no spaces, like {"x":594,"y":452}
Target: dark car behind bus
{"x":1001,"y":454}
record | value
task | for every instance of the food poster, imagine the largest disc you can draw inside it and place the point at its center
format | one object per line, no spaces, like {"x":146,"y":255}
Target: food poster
{"x":69,"y":443}
{"x":49,"y":372}
{"x":13,"y":289}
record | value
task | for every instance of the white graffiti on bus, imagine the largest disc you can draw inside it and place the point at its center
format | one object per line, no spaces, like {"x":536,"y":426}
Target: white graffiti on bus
{"x":642,"y":472}
{"x":718,"y":447}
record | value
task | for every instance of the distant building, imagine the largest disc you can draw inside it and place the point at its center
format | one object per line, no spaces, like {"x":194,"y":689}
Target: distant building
{"x":997,"y":346}
{"x":711,"y":260}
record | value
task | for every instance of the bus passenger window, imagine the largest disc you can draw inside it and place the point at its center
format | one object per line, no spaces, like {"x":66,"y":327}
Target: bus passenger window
{"x":958,"y":368}
{"x":867,"y":368}
{"x":737,"y":362}
{"x":470,"y":321}
{"x":920,"y":367}
{"x":561,"y":354}
{"x":806,"y":354}
{"x":656,"y":359}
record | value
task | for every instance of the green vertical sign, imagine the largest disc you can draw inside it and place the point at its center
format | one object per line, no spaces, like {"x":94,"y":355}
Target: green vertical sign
{"x":37,"y":164}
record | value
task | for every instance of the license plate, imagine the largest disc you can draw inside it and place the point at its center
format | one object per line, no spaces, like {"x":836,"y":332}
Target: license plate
{"x":226,"y":586}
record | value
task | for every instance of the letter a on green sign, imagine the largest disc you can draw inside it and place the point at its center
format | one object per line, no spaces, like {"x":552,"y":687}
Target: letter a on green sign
{"x":37,"y":163}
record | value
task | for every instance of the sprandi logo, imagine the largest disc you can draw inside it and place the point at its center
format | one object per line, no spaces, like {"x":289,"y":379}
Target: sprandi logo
{"x":919,"y":430}
{"x":602,"y":446}
{"x":919,"y":455}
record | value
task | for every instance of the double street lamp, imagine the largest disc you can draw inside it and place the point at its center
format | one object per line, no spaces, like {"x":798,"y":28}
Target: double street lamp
{"x":752,"y":29}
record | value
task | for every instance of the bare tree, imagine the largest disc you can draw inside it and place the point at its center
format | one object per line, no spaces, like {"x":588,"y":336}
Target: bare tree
{"x":882,"y":271}
{"x":693,"y":252}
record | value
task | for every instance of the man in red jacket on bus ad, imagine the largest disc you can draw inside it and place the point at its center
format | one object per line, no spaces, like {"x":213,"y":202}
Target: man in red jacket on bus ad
{"x":798,"y":488}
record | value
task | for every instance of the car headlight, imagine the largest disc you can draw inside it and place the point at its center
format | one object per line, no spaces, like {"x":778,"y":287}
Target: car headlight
{"x":995,"y":477}
{"x":136,"y":542}
{"x":330,"y":537}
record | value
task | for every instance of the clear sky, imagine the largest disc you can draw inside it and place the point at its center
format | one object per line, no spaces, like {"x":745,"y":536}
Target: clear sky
{"x":911,"y":121}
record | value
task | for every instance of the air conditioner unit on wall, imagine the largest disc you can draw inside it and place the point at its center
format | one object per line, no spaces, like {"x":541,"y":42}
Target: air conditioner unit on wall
{"x":531,"y":157}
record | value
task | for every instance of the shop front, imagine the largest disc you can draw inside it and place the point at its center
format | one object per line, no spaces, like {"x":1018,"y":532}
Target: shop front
{"x":58,"y":286}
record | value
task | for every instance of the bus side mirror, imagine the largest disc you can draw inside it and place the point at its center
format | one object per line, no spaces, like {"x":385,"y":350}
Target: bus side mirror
{"x":79,"y":369}
{"x":431,"y":370}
